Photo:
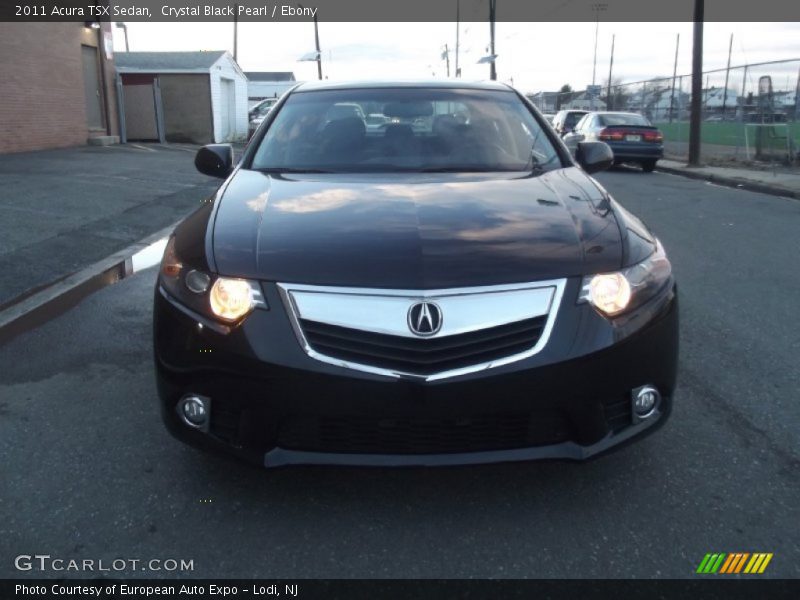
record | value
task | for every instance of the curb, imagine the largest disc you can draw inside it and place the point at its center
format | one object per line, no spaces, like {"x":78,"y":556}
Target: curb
{"x":30,"y":305}
{"x":739,"y":184}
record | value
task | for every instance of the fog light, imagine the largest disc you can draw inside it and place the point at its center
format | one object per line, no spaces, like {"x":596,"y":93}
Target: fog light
{"x":197,"y":281}
{"x":193,"y":411}
{"x":645,"y":400}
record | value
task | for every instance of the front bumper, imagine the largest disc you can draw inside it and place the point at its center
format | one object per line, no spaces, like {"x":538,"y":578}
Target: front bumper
{"x":273,"y":405}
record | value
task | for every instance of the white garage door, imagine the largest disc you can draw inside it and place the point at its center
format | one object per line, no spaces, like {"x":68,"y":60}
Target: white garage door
{"x":227,"y":112}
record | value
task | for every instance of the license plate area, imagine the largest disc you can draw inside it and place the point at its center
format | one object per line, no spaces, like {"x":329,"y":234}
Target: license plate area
{"x":633,"y":138}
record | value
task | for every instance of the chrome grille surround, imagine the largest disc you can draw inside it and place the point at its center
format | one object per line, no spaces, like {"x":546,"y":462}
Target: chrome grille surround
{"x":384,"y":311}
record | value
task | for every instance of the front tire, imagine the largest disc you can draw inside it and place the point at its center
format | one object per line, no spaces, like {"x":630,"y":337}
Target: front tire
{"x":648,"y":166}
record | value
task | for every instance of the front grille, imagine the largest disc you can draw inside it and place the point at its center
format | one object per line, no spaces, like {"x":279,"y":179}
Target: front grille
{"x":423,"y":356}
{"x":421,"y":435}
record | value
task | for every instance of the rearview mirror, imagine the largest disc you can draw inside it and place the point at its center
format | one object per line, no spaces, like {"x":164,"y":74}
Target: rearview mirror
{"x":594,"y":156}
{"x":215,"y":160}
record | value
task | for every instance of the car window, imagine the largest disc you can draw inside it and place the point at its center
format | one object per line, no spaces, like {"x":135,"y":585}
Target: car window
{"x":572,"y":119}
{"x":367,"y":130}
{"x":262,"y":108}
{"x":624,"y":119}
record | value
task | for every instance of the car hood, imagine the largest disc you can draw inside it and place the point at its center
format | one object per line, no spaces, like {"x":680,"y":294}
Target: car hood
{"x":413,"y":231}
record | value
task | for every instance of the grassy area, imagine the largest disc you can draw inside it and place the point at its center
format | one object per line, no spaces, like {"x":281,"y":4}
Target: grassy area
{"x":726,"y":134}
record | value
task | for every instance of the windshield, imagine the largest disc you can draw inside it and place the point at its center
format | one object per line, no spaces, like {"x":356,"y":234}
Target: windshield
{"x":395,"y":130}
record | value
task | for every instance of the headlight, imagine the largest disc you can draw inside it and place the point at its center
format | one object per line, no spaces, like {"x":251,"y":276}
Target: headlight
{"x":610,"y":292}
{"x":221,"y":298}
{"x":231,"y":299}
{"x":614,"y":293}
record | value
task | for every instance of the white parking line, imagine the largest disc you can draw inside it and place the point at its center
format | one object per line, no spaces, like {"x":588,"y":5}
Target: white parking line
{"x":142,"y":147}
{"x":191,"y":150}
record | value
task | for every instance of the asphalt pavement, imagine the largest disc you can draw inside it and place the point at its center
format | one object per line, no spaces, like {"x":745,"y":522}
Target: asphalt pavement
{"x":88,"y":471}
{"x":63,"y":209}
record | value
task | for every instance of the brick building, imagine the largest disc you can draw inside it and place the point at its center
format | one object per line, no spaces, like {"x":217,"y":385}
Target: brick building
{"x":57,"y":85}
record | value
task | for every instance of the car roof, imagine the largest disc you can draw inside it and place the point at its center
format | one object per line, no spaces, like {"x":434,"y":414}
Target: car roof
{"x":313,"y":86}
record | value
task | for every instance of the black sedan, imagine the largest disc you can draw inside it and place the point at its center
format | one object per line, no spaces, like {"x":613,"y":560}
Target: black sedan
{"x":632,"y":138}
{"x":462,"y":292}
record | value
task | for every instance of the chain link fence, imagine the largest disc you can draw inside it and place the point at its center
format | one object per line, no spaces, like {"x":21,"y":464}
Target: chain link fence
{"x":750,"y":113}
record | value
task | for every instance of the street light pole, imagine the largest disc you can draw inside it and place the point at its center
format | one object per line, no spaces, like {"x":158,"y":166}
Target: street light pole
{"x":727,"y":75}
{"x":316,"y":45}
{"x":674,"y":75}
{"x":316,"y":41}
{"x":124,"y":28}
{"x":596,"y":8}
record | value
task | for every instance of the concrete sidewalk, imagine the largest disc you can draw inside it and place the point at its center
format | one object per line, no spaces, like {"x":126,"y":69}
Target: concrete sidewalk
{"x":778,"y":182}
{"x":61,"y":210}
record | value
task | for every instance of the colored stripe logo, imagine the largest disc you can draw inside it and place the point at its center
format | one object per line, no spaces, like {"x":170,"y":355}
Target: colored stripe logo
{"x":733,"y":563}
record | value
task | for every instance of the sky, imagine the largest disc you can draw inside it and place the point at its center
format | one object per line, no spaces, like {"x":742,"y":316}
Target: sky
{"x":534,"y":56}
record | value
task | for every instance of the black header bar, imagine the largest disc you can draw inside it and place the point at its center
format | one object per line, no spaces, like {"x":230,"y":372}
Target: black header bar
{"x":396,"y":10}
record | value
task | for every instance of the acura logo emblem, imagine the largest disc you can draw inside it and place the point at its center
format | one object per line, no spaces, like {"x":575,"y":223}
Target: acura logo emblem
{"x":425,"y":318}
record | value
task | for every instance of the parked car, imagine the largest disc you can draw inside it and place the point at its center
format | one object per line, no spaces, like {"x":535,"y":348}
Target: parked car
{"x":565,"y":120}
{"x":259,"y":112}
{"x":632,"y":138}
{"x":463,"y":294}
{"x":549,"y":117}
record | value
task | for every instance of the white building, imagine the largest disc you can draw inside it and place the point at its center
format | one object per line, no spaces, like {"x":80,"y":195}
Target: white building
{"x":196,"y":97}
{"x":584,"y":101}
{"x":268,"y":84}
{"x":715,"y":97}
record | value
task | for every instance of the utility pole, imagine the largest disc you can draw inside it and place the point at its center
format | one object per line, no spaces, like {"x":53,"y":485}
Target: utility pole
{"x":796,"y":98}
{"x":610,"y":68}
{"x":697,"y":85}
{"x":492,"y":15}
{"x":596,"y":31}
{"x":235,"y":33}
{"x":674,"y":74}
{"x":744,"y":93}
{"x":727,"y":74}
{"x":458,"y":28}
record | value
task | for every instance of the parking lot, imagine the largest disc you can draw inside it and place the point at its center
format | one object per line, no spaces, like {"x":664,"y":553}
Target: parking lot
{"x":89,"y":471}
{"x":64,"y":209}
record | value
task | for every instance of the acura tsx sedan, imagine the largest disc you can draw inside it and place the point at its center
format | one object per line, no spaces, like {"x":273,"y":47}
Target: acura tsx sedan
{"x":451,"y":288}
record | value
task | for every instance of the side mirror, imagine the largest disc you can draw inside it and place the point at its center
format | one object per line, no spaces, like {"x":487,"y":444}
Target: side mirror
{"x":215,"y":160}
{"x":594,"y":156}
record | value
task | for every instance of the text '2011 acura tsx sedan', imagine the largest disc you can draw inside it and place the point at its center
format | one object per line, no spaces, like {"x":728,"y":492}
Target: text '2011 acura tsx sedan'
{"x":450,"y":288}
